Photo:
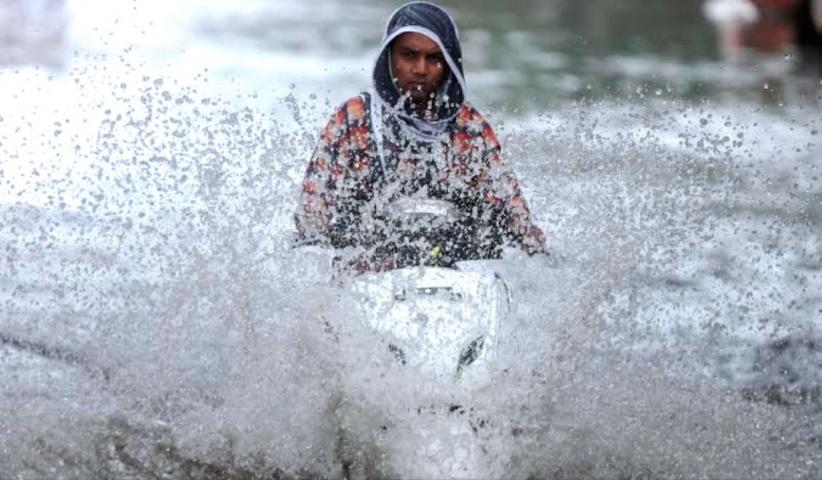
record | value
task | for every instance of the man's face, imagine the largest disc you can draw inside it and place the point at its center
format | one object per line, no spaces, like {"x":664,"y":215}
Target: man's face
{"x":418,"y":65}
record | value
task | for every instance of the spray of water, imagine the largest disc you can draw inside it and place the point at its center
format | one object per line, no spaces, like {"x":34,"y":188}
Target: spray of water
{"x":156,"y":322}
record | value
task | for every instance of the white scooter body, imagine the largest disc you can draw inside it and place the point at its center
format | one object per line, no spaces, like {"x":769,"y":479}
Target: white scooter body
{"x":444,"y":323}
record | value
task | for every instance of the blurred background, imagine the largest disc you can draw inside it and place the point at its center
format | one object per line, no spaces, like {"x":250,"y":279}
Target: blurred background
{"x":522,"y":54}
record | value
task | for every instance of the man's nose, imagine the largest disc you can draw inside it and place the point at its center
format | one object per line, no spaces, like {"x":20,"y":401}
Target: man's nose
{"x":420,"y":66}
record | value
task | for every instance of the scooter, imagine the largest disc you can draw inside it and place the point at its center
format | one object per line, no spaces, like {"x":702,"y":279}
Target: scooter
{"x":439,"y":318}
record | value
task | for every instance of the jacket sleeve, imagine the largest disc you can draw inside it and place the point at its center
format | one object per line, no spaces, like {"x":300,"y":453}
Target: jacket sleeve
{"x":502,"y":191}
{"x":318,"y":197}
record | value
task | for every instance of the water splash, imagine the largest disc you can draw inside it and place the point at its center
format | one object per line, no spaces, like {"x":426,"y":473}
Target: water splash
{"x":157,"y":321}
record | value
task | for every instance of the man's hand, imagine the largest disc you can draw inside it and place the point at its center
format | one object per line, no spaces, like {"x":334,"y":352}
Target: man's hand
{"x":533,"y":242}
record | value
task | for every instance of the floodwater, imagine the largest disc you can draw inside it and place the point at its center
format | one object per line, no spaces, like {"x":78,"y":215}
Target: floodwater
{"x":155,"y":323}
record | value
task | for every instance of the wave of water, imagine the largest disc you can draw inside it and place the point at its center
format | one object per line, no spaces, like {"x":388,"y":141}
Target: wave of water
{"x":155,"y":322}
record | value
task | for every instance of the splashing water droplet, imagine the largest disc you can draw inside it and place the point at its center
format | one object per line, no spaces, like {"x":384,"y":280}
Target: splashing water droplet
{"x":658,"y":92}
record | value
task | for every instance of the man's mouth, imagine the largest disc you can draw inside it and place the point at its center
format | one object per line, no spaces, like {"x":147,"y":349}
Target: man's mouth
{"x":418,"y":87}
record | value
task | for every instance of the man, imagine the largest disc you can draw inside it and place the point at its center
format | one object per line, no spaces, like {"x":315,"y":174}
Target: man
{"x":413,"y":136}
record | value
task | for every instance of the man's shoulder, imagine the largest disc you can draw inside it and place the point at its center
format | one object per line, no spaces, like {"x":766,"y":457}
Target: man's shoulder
{"x":354,"y":109}
{"x":468,"y":116}
{"x":474,"y":124}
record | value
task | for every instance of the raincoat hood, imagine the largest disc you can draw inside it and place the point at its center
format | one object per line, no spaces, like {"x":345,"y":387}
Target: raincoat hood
{"x":435,"y":23}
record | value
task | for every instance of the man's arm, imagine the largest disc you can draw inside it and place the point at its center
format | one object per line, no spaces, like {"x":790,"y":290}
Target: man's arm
{"x":343,"y":140}
{"x":315,"y":209}
{"x":503,"y":192}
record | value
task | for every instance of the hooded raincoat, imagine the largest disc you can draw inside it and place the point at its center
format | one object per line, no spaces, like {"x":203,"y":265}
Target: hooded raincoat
{"x":376,"y":148}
